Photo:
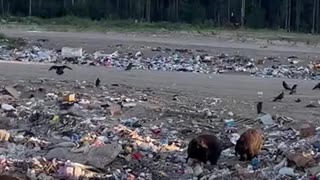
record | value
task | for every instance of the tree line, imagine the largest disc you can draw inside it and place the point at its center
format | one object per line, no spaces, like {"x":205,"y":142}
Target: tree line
{"x":291,"y":15}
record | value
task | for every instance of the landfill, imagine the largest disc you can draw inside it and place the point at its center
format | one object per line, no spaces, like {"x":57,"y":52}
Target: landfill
{"x":166,"y":59}
{"x":73,"y":130}
{"x":175,"y":62}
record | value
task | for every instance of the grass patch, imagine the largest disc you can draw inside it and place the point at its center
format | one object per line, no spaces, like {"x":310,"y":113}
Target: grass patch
{"x":72,"y":23}
{"x":84,"y":24}
{"x":11,"y":42}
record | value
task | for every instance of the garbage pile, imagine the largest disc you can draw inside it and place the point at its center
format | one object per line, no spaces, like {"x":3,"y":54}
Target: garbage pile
{"x":34,"y":54}
{"x":172,"y":60}
{"x":164,"y":60}
{"x":73,"y":130}
{"x":289,"y":71}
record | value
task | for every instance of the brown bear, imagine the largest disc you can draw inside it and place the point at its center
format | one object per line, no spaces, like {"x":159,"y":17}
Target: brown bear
{"x":249,"y":144}
{"x":205,"y":148}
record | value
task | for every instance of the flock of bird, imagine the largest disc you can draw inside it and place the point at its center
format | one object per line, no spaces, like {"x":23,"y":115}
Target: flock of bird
{"x":292,"y":90}
{"x":286,"y":87}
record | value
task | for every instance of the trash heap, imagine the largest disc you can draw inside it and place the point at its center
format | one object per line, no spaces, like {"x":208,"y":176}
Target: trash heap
{"x":290,"y":67}
{"x":33,"y":54}
{"x":56,"y":130}
{"x":166,"y":60}
{"x":289,"y":71}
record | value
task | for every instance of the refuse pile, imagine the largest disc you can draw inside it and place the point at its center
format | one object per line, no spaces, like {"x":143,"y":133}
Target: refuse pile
{"x":73,"y":130}
{"x":168,"y":60}
{"x":33,"y":54}
{"x":164,"y":60}
{"x":289,"y":71}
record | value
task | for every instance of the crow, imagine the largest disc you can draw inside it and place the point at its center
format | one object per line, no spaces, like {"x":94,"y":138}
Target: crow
{"x":59,"y":69}
{"x":97,"y":82}
{"x":311,"y":106}
{"x":259,"y":107}
{"x":129,"y":67}
{"x":297,"y":100}
{"x":279,"y":97}
{"x":316,"y":87}
{"x":285,"y":85}
{"x":293,"y":89}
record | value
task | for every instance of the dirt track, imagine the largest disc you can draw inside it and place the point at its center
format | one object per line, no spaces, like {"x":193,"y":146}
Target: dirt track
{"x":212,"y":44}
{"x":241,"y":88}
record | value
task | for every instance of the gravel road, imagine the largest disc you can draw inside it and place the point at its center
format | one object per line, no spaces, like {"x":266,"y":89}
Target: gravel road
{"x":92,"y":41}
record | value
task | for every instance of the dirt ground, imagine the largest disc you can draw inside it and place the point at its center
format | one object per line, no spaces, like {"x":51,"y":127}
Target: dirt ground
{"x":214,"y":44}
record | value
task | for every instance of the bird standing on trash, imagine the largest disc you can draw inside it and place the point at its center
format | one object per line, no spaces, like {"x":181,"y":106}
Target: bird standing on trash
{"x":285,"y":85}
{"x":129,"y":67}
{"x":279,"y":97}
{"x":259,"y":107}
{"x":316,"y":87}
{"x":293,"y":89}
{"x":59,"y":69}
{"x":98,"y":82}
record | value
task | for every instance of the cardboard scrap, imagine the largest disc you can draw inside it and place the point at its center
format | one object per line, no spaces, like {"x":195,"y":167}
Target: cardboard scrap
{"x":307,"y":132}
{"x":68,"y":52}
{"x":12,"y":91}
{"x":4,"y":135}
{"x":70,"y":97}
{"x":301,"y":159}
{"x":266,"y":120}
{"x":115,"y":110}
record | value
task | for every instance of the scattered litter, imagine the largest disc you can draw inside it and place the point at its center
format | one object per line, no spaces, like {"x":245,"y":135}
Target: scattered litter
{"x":282,"y":164}
{"x":197,"y":170}
{"x":7,"y":107}
{"x":307,"y":132}
{"x":70,"y":98}
{"x":266,"y":120}
{"x":96,"y":156}
{"x":68,"y":52}
{"x":234,"y":138}
{"x":228,"y":122}
{"x":131,"y":122}
{"x":255,"y":162}
{"x":125,"y":132}
{"x":115,"y":110}
{"x":301,"y":159}
{"x":287,"y":172}
{"x":314,"y":170}
{"x":4,"y":135}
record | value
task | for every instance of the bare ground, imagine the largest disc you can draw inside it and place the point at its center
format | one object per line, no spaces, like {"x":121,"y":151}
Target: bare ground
{"x":215,"y":44}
